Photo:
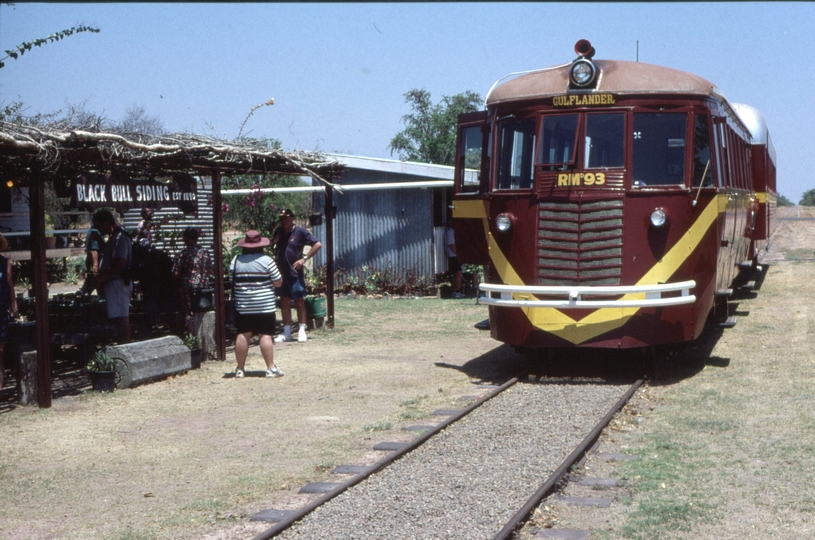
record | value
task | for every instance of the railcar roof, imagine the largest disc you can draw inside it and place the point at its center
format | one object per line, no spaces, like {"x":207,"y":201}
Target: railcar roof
{"x":616,"y":76}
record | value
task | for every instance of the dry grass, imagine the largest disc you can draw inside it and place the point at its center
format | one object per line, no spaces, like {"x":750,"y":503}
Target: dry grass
{"x":195,"y":455}
{"x":726,"y":433}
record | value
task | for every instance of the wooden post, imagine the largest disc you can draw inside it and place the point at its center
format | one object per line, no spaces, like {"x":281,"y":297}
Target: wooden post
{"x":329,"y":255}
{"x":218,"y":249}
{"x":36,"y":194}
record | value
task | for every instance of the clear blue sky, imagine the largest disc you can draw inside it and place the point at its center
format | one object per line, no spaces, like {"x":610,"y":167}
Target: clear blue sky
{"x":338,"y":72}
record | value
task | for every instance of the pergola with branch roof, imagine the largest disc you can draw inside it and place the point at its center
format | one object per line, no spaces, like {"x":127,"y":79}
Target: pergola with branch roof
{"x":31,"y":155}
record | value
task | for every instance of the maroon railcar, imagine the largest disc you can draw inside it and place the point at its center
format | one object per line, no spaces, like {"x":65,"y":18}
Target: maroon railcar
{"x":614,"y":203}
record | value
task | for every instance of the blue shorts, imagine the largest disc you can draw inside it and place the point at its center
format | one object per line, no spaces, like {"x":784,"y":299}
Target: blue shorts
{"x":293,"y":287}
{"x":117,"y":298}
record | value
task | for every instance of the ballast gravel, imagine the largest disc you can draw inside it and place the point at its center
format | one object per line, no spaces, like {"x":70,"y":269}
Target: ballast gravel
{"x":470,"y":479}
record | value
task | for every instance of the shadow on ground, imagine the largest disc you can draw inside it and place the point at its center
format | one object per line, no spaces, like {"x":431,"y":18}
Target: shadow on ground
{"x":661,"y":365}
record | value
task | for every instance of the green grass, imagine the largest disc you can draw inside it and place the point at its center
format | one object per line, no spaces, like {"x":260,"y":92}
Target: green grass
{"x":378,"y":426}
{"x":799,"y":254}
{"x":660,"y":507}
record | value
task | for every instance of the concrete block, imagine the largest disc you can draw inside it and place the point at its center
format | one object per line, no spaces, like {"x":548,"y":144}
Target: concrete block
{"x":143,"y":361}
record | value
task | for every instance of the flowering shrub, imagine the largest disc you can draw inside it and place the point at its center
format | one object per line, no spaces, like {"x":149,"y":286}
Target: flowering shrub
{"x":372,"y":280}
{"x":259,"y":210}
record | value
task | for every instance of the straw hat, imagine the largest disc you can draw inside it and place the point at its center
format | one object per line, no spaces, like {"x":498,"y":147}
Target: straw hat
{"x":253,"y":239}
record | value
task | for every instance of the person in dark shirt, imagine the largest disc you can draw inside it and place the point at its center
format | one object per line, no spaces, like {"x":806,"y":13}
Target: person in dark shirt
{"x":94,"y":246}
{"x":114,"y":272}
{"x":289,"y":240}
{"x":192,"y":270}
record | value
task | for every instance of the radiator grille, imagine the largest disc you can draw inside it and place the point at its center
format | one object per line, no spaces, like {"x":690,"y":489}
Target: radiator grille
{"x":580,"y":243}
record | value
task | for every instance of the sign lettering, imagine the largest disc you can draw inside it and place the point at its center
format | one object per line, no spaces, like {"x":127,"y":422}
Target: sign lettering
{"x":580,"y":179}
{"x":582,"y":100}
{"x":92,"y":191}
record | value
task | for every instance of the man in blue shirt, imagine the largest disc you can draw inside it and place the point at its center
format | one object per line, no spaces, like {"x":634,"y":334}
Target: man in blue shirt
{"x":289,"y":240}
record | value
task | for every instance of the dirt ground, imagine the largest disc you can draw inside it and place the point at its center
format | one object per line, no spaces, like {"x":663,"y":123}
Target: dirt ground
{"x":194,"y":456}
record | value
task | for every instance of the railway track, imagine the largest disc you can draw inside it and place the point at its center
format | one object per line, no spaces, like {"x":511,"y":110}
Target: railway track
{"x":478,"y":474}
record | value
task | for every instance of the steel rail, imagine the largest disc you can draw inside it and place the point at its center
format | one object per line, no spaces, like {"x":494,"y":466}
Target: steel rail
{"x":300,"y":513}
{"x":549,"y":486}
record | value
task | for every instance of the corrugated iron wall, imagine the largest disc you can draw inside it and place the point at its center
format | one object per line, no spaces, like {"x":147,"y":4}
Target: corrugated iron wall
{"x":168,"y":236}
{"x":388,"y":228}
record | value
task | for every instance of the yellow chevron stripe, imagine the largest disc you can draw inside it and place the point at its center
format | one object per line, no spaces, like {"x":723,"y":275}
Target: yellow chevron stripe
{"x":602,"y":320}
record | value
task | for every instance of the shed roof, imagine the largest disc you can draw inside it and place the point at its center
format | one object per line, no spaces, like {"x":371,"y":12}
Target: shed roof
{"x":408,"y":168}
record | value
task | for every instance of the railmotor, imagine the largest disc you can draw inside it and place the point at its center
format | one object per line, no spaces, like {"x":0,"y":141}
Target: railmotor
{"x":615,"y":203}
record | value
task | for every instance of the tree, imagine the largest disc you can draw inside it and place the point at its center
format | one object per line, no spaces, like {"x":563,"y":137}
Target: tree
{"x":808,"y":199}
{"x":21,"y":49}
{"x":783,"y":201}
{"x":137,"y":121}
{"x":430,"y":130}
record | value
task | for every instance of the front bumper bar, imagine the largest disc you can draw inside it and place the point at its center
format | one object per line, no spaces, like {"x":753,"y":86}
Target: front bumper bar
{"x":572,"y":297}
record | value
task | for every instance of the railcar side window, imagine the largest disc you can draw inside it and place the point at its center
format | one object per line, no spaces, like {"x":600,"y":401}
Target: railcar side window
{"x":659,"y":149}
{"x":702,"y":165}
{"x":470,"y":155}
{"x":517,"y":140}
{"x":559,"y":138}
{"x":605,"y":134}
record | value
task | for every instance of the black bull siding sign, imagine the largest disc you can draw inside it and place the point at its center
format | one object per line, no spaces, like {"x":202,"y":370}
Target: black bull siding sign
{"x":96,"y":191}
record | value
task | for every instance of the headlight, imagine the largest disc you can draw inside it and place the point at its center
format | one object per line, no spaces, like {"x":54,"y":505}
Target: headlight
{"x":582,"y":73}
{"x":503,"y":222}
{"x":658,"y":217}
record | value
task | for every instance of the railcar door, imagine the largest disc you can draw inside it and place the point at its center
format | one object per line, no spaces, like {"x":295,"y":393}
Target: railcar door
{"x":727,"y":262}
{"x":471,"y":186}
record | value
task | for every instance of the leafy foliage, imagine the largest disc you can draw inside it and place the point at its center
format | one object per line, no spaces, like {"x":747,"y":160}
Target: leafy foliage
{"x":21,"y":49}
{"x":783,"y":201}
{"x":430,"y":130}
{"x":808,"y":199}
{"x":192,"y":342}
{"x":102,"y":362}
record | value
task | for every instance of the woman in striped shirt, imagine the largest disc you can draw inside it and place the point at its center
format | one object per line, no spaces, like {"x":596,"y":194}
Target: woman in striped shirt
{"x":254,"y":276}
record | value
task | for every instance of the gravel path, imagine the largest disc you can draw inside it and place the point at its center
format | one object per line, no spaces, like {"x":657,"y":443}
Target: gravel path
{"x":470,"y":479}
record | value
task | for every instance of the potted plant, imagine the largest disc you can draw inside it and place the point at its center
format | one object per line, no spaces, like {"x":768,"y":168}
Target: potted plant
{"x":50,"y":239}
{"x":194,"y":344}
{"x":103,"y":372}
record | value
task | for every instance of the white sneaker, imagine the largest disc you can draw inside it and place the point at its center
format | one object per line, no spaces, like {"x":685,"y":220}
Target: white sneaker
{"x":301,"y":336}
{"x":282,"y":338}
{"x":239,"y":374}
{"x":274,"y":372}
